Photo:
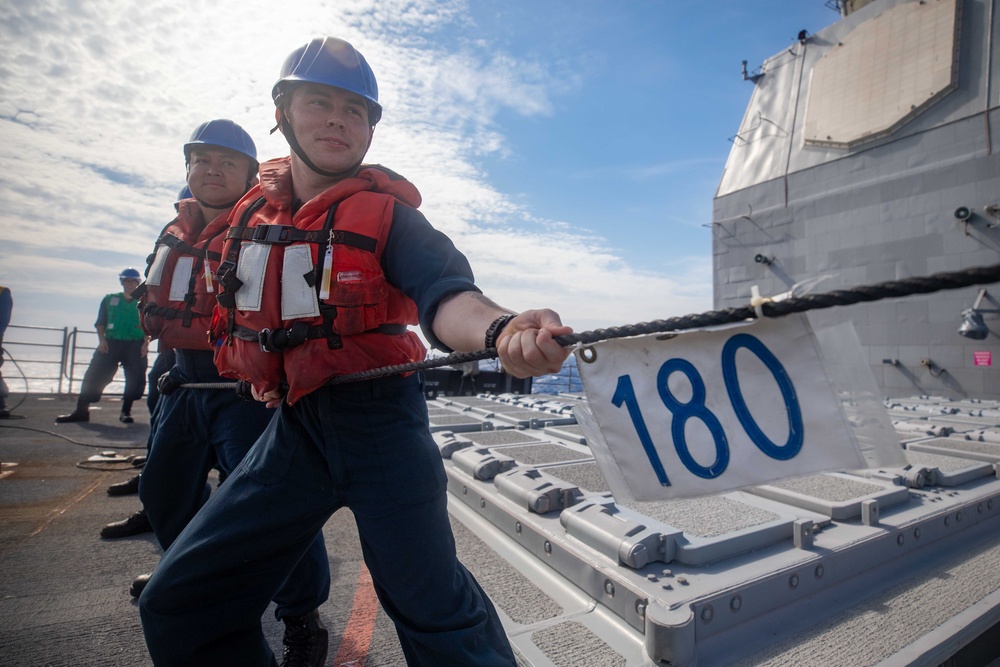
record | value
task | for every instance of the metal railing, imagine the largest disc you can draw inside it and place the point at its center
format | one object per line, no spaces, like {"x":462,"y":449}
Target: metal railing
{"x":43,"y":360}
{"x":46,"y":360}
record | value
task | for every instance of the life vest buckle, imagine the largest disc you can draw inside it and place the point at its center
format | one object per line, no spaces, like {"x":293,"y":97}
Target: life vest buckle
{"x":226,"y":299}
{"x":264,"y":338}
{"x":272,"y":233}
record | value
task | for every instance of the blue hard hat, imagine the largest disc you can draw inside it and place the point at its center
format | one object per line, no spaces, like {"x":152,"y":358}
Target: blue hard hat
{"x":128,"y":273}
{"x":332,"y":62}
{"x":224,"y":133}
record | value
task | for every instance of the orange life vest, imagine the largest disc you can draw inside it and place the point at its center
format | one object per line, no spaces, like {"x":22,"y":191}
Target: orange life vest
{"x":305,"y":298}
{"x":179,"y":293}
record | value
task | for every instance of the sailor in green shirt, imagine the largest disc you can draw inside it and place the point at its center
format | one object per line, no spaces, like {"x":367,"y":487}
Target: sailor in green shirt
{"x":122,"y":341}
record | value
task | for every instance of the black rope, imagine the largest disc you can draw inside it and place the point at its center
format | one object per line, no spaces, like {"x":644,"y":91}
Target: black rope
{"x":845,"y":297}
{"x":454,"y":358}
{"x":385,"y":371}
{"x":24,"y":378}
{"x":207,"y":385}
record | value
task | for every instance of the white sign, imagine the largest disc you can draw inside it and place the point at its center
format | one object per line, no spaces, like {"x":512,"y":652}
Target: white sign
{"x":703,"y":412}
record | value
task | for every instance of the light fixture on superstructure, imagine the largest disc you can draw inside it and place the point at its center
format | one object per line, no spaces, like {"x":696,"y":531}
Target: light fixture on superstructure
{"x":973,"y":325}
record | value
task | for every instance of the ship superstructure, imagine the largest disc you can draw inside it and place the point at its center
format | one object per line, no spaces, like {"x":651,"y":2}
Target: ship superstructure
{"x":868,"y":154}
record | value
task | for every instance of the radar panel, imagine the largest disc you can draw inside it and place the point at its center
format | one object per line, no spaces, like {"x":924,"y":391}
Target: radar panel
{"x":883,"y":74}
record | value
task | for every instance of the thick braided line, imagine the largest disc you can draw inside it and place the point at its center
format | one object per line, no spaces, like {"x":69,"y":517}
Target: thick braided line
{"x":886,"y":290}
{"x":458,"y":357}
{"x":208,"y":385}
{"x":455,"y":358}
{"x":660,"y":326}
{"x":845,"y":297}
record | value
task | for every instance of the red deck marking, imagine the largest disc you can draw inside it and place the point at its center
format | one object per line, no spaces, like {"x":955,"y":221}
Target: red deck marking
{"x":361,"y":625}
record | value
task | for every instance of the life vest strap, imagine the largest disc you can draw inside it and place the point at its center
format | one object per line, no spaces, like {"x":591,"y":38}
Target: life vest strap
{"x":172,"y":314}
{"x":227,"y":271}
{"x":284,"y":234}
{"x":187,"y":249}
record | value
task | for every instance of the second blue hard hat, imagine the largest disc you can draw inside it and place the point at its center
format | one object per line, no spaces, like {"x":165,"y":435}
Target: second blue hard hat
{"x":222,"y":132}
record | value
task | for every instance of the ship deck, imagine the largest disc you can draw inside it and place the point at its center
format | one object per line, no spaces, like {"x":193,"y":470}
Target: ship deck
{"x":743,"y":586}
{"x":65,"y":598}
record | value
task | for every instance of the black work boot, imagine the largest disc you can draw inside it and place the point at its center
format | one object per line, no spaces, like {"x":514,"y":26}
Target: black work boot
{"x":81,"y":414}
{"x":306,"y":641}
{"x":135,"y":524}
{"x":139,"y":584}
{"x":77,"y":415}
{"x":131,"y":485}
{"x":126,"y":416}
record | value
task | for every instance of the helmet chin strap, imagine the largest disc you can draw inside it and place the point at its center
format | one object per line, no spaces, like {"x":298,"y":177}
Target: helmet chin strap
{"x":220,"y":207}
{"x":293,"y":143}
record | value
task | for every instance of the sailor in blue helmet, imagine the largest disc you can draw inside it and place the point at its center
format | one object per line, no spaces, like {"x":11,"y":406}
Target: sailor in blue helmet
{"x":120,"y":341}
{"x":163,"y":363}
{"x":194,"y":429}
{"x":138,"y":523}
{"x":367,"y":265}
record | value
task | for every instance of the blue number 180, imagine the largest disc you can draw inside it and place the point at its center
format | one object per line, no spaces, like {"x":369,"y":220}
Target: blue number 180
{"x":696,"y":408}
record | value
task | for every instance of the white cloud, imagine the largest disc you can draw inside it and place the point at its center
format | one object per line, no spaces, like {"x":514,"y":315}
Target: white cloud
{"x":99,"y":96}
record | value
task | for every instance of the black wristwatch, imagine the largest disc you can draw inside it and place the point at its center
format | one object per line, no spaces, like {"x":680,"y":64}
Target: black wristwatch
{"x":493,"y":332}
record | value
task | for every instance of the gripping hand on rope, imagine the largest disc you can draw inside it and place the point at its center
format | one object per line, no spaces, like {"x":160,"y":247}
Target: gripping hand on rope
{"x":525,"y":343}
{"x":272,"y":398}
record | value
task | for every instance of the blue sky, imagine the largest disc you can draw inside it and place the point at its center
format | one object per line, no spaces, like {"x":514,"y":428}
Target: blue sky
{"x":571,"y":149}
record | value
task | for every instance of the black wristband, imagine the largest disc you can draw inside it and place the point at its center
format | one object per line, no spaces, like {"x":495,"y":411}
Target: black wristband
{"x":495,"y":328}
